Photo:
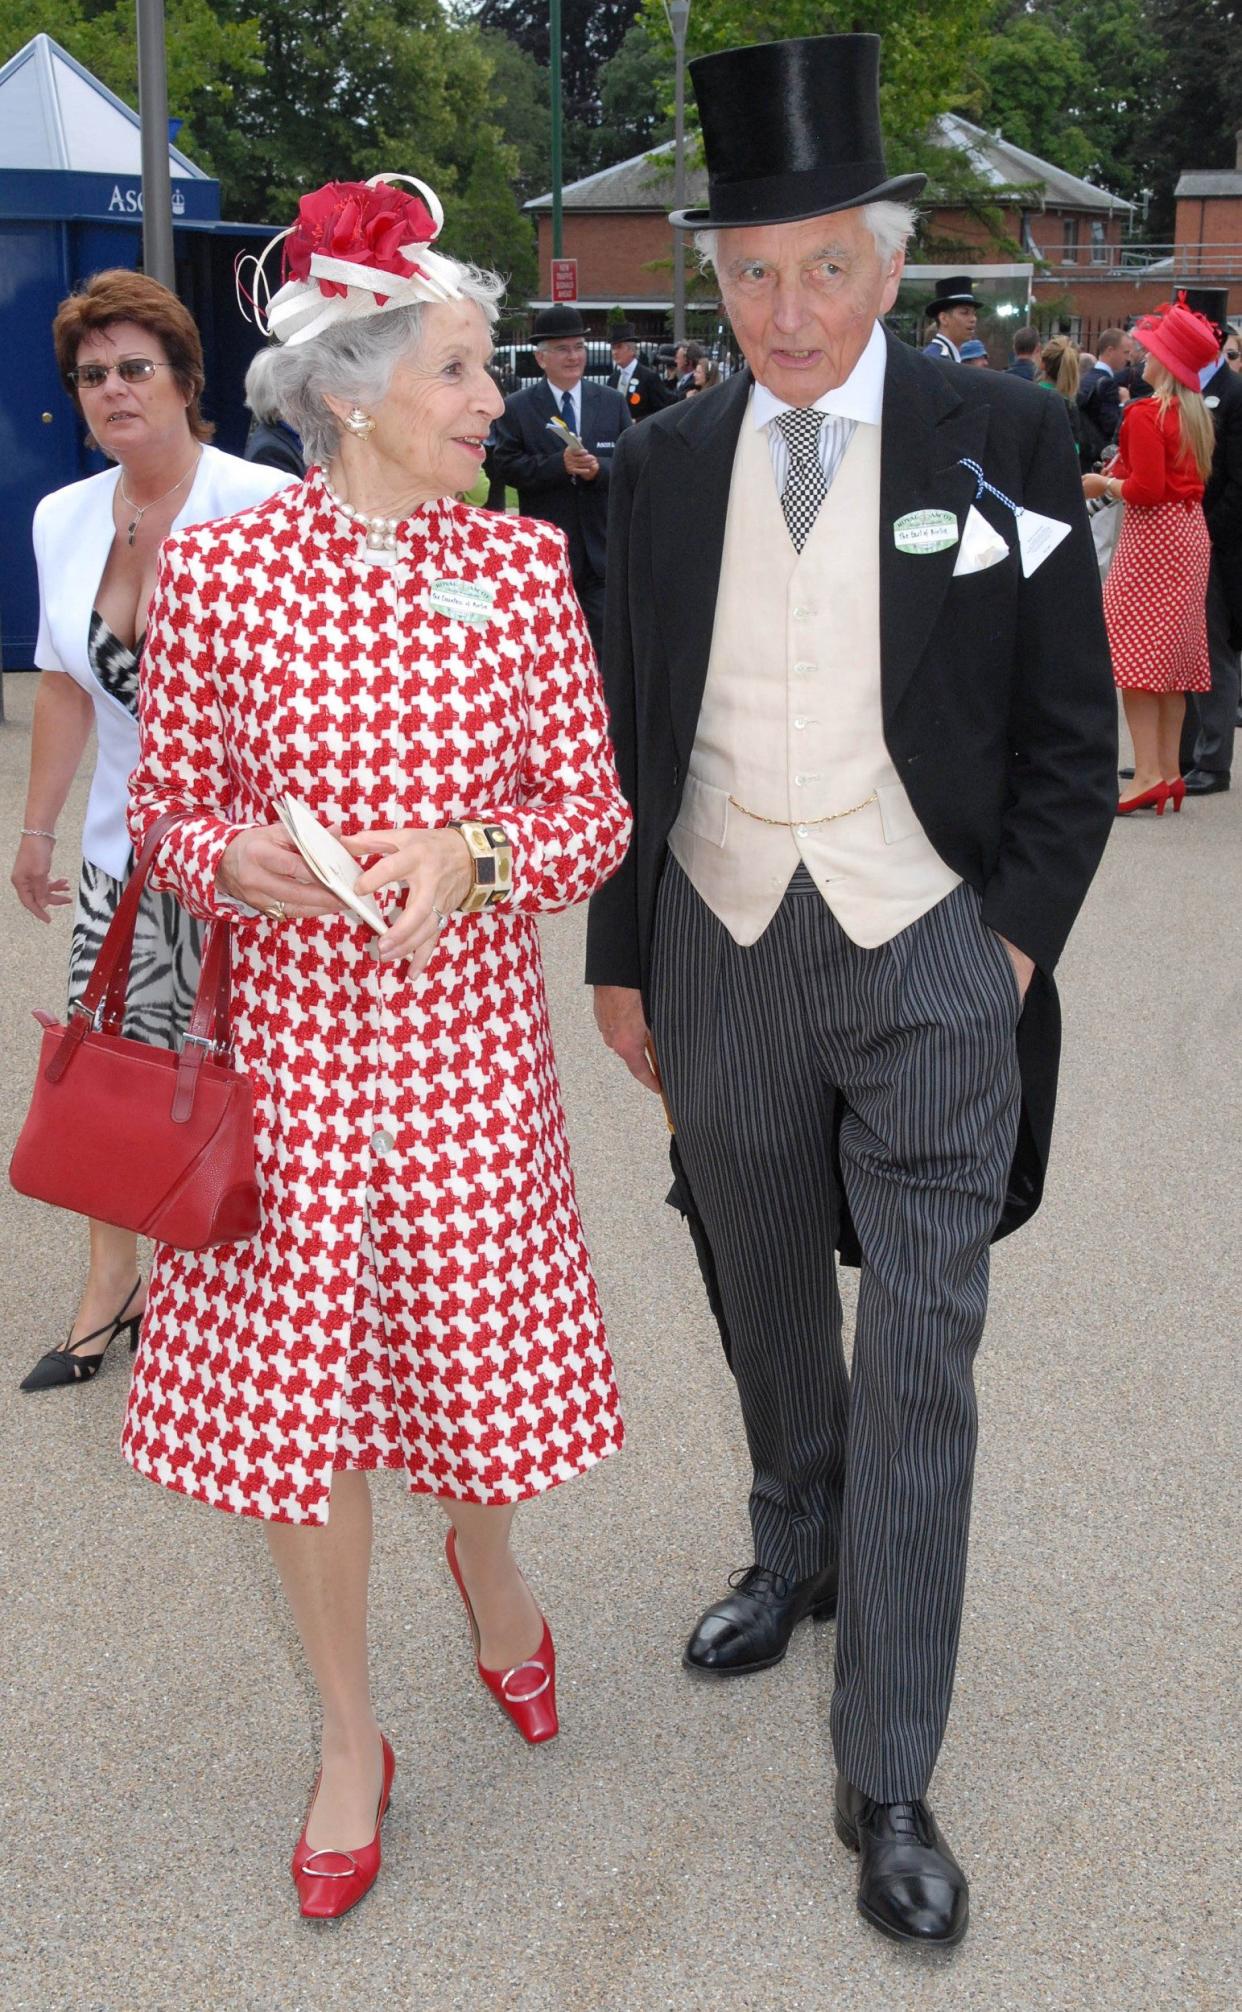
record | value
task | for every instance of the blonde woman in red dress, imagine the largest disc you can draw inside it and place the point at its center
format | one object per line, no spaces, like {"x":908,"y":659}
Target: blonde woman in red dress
{"x":419,"y":1296}
{"x":1156,"y":589}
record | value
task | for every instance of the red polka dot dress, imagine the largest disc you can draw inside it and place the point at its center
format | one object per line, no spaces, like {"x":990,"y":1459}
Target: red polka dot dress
{"x":419,"y":1295}
{"x":1156,"y":588}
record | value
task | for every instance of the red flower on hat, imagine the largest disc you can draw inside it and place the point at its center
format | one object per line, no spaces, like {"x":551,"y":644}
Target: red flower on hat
{"x":367,"y":226}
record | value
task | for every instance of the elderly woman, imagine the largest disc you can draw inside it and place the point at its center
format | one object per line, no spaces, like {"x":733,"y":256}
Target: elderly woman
{"x":129,"y":356}
{"x":419,"y":1294}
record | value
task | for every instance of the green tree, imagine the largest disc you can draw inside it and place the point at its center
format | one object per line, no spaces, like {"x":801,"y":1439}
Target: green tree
{"x":633,"y":115}
{"x":520,"y":107}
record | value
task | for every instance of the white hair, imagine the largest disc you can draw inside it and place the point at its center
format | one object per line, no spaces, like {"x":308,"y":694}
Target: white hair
{"x":891,"y":226}
{"x":353,"y":360}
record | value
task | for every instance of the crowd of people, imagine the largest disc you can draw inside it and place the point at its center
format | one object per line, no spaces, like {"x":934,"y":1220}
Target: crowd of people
{"x":834,"y":837}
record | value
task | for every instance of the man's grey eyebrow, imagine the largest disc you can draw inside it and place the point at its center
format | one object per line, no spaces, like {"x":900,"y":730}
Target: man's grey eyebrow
{"x":839,"y":252}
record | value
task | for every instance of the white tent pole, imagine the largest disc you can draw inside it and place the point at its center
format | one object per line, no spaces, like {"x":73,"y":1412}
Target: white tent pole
{"x":157,"y":236}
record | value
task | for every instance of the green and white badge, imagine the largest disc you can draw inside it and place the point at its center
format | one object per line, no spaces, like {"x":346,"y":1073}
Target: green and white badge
{"x":925,"y":531}
{"x":463,"y":601}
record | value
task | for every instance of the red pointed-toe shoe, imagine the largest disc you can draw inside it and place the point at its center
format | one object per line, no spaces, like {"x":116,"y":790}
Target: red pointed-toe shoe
{"x":330,"y":1882}
{"x":526,"y":1693}
{"x":1147,"y":799}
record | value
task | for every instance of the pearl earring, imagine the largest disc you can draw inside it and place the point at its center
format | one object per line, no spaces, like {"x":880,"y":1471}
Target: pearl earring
{"x":360,"y":423}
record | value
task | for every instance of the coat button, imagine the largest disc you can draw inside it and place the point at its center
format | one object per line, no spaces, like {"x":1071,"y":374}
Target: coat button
{"x":382,"y":1143}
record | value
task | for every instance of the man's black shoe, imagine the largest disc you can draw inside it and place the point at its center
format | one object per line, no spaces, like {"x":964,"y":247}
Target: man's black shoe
{"x":750,"y":1628}
{"x":1205,"y":781}
{"x":910,"y":1886}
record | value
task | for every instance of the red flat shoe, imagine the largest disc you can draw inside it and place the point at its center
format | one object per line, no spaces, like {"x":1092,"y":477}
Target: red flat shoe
{"x":526,"y":1693}
{"x":330,"y":1882}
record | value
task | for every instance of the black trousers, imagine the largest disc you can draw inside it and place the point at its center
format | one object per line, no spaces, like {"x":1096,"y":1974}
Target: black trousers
{"x":916,"y":1040}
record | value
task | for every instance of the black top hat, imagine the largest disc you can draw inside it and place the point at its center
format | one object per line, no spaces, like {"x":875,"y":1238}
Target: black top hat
{"x":1212,"y":301}
{"x":622,"y":331}
{"x":559,"y":320}
{"x":952,"y":293}
{"x":792,"y":130}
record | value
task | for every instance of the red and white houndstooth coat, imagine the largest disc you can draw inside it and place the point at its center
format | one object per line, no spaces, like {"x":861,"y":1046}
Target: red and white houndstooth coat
{"x":419,"y":1295}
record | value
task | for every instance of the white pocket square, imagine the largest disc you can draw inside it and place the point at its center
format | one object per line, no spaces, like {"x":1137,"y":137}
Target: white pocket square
{"x":981,"y":546}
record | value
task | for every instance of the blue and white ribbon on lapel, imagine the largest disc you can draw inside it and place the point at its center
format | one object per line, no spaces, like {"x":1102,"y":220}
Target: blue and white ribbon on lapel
{"x":982,"y":483}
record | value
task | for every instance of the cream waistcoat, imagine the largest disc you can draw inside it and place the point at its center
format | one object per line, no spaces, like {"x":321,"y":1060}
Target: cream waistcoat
{"x":790,"y":725}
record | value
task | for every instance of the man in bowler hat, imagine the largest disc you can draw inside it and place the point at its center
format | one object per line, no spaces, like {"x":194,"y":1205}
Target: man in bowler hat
{"x":870,"y":747}
{"x":554,"y":444}
{"x":954,"y":313}
{"x":642,"y":388}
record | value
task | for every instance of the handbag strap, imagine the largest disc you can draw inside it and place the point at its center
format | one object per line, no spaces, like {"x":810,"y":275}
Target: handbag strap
{"x":106,"y":988}
{"x":103,"y":996}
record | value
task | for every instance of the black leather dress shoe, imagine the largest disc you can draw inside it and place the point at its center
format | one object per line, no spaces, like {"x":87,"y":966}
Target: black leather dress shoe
{"x":750,"y":1628}
{"x":1205,"y":781}
{"x":910,"y":1886}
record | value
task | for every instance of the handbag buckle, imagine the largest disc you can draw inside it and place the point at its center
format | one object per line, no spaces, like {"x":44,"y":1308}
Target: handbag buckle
{"x":220,"y":1050}
{"x":92,"y":1016}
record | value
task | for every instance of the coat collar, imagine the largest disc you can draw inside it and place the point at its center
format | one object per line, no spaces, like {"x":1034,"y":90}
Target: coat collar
{"x":927,"y":429}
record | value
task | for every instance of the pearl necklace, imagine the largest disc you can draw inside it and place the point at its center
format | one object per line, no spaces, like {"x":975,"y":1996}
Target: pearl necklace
{"x":381,"y":531}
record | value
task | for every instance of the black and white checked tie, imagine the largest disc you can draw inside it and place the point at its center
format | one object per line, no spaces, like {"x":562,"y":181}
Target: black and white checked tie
{"x":805,"y":487}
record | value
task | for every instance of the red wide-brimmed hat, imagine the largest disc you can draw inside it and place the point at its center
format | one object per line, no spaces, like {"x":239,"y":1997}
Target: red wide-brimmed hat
{"x":1184,"y":342}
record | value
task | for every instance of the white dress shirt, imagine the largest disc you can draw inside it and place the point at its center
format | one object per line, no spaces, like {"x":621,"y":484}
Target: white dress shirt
{"x":859,"y":401}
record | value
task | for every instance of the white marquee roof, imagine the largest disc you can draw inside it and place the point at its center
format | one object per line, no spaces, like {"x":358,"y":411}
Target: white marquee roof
{"x":55,"y":114}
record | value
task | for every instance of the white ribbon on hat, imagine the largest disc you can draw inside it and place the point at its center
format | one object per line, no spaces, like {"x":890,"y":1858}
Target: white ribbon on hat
{"x":301,"y":310}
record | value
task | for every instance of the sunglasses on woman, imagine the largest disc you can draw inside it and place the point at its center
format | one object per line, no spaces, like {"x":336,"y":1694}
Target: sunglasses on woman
{"x":1232,"y":355}
{"x":130,"y":370}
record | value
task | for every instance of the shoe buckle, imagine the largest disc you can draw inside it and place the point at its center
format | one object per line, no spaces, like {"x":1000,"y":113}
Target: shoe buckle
{"x":326,"y":1851}
{"x":524,"y":1697}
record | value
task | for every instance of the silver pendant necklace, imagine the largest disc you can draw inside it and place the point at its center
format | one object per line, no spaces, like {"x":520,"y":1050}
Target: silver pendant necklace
{"x":140,"y":509}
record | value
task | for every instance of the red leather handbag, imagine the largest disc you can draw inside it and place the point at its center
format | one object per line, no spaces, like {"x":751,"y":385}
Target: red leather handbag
{"x":146,"y":1138}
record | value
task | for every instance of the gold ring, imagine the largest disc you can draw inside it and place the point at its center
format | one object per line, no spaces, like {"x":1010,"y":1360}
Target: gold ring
{"x":277,"y":911}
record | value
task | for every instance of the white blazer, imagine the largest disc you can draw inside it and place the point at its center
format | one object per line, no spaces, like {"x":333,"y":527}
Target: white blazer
{"x":73,"y":533}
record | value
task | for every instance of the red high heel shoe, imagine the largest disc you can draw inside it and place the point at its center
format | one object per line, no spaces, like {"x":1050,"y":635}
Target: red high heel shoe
{"x":527,"y":1693}
{"x":1148,"y":799}
{"x":330,"y":1882}
{"x":1177,"y":792}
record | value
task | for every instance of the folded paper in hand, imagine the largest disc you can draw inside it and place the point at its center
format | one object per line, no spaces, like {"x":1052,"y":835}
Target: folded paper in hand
{"x":332,"y":866}
{"x":981,"y":545}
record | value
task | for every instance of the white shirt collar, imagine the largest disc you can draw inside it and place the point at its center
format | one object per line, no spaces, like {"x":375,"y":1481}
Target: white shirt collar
{"x":575,"y":394}
{"x":1107,"y":368}
{"x":861,"y":397}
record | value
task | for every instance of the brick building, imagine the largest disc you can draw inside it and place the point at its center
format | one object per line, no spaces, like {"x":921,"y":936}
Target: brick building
{"x":1076,"y":256}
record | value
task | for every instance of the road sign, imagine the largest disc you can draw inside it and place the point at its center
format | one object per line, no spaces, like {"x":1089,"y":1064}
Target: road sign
{"x":564,"y":279}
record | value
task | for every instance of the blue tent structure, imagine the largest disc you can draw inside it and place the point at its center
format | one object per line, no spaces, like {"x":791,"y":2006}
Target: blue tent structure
{"x":71,"y":205}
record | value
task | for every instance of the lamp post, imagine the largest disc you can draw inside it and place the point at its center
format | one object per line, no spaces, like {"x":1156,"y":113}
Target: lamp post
{"x":157,"y":236}
{"x":554,"y":37}
{"x":678,"y":16}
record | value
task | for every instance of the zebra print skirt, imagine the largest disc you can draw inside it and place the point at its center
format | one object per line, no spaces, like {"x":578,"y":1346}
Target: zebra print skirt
{"x":163,"y":974}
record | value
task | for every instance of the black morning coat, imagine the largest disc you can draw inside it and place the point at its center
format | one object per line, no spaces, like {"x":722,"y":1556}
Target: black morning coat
{"x":648,"y":392}
{"x":532,"y":460}
{"x":1222,"y":499}
{"x":998,"y":699}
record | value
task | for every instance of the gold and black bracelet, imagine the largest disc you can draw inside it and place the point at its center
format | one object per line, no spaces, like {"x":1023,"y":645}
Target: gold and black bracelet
{"x":491,"y":857}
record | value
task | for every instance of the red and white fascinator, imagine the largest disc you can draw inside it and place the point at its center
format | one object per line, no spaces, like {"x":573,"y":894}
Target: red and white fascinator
{"x":357,"y":248}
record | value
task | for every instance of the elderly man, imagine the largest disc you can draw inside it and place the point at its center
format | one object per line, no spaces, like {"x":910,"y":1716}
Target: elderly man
{"x":642,"y":388}
{"x":954,"y":315}
{"x":866,"y":721}
{"x":554,"y":444}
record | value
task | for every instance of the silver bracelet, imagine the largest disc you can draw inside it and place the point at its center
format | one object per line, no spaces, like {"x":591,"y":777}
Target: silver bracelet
{"x":33,"y":831}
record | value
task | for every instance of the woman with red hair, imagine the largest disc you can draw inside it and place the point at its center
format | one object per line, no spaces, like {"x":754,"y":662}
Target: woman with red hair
{"x":1155,"y":592}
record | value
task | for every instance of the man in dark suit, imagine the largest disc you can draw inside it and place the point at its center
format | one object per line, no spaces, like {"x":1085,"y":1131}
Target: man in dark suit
{"x":1025,"y":347}
{"x":554,"y":444}
{"x":954,"y":315}
{"x":1212,"y":717}
{"x":1099,"y":398}
{"x":867,"y":724}
{"x":642,"y":388}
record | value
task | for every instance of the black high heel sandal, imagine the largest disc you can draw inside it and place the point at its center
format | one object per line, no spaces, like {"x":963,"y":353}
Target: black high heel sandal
{"x":61,"y":1365}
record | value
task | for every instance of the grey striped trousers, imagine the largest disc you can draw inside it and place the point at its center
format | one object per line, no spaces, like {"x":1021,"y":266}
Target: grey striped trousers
{"x":916,"y":1038}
